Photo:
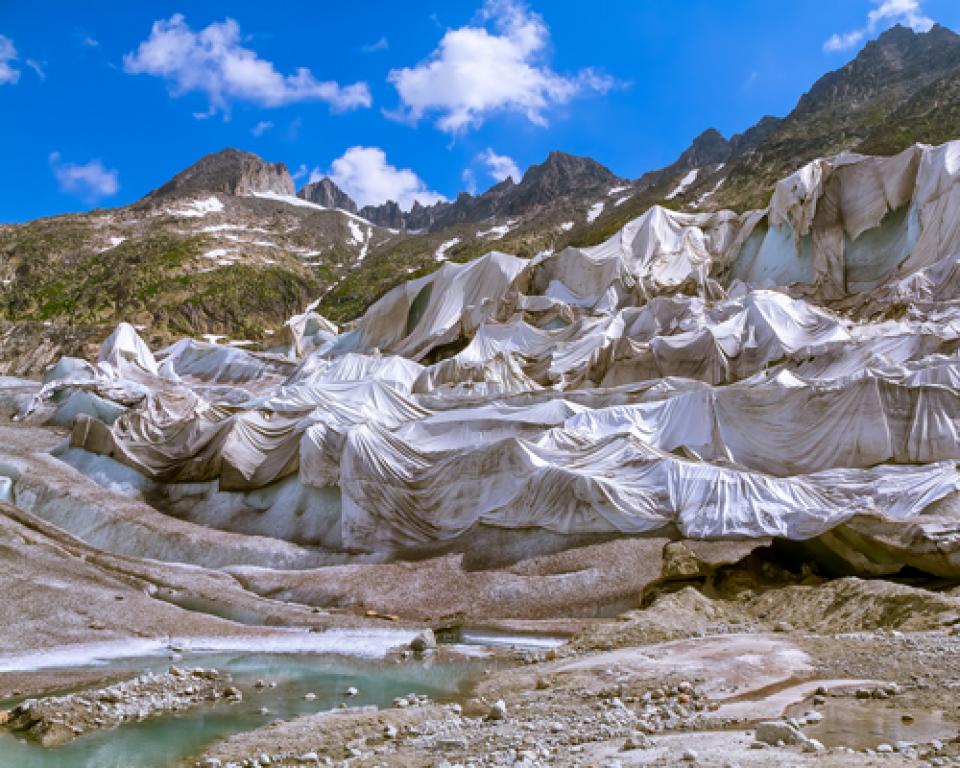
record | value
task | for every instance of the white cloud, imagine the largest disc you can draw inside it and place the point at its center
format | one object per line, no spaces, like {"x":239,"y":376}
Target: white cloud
{"x":35,"y":66}
{"x":838,"y":42}
{"x":213,"y":62}
{"x":89,"y":181}
{"x":885,"y":13}
{"x":500,"y":166}
{"x":89,"y":42}
{"x":469,"y":179}
{"x":493,"y":66}
{"x":261,"y":128}
{"x":8,"y":54}
{"x":381,"y":45}
{"x":300,"y":173}
{"x":293,"y":130}
{"x":365,"y":175}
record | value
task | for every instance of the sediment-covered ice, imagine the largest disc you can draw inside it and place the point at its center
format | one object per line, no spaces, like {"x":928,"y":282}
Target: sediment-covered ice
{"x":370,"y":643}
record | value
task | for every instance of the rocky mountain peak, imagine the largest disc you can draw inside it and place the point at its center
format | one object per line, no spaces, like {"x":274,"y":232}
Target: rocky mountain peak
{"x":898,"y":62}
{"x":326,"y":193}
{"x":228,"y":172}
{"x":386,"y":215}
{"x":561,"y":173}
{"x":707,"y":148}
{"x":558,"y":176}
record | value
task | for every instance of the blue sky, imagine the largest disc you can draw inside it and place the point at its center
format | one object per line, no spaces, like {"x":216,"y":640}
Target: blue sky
{"x":101,"y":102}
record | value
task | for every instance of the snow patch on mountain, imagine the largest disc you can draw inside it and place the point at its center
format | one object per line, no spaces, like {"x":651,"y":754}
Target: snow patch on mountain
{"x":684,"y":184}
{"x":710,"y":192}
{"x":441,"y":252}
{"x":114,"y":242}
{"x":355,"y":232}
{"x":301,"y":203}
{"x":496,"y":232}
{"x":199,"y":208}
{"x":595,"y":210}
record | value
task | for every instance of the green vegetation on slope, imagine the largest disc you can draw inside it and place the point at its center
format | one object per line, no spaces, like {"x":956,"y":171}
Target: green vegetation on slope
{"x":153,"y":279}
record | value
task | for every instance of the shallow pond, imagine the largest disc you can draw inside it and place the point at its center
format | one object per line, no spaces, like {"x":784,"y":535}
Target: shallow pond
{"x":864,"y":724}
{"x":165,"y":741}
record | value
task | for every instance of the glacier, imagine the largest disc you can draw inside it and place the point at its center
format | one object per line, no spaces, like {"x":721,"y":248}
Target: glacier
{"x":722,"y":375}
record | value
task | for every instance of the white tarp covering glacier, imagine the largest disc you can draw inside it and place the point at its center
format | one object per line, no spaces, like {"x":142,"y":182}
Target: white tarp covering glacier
{"x":721,"y":374}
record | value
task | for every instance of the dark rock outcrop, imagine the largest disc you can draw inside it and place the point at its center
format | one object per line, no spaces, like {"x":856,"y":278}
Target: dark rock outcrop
{"x":228,"y":172}
{"x":387,"y":215}
{"x":327,"y":194}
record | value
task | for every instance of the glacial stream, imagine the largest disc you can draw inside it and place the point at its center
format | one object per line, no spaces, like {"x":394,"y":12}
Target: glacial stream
{"x":166,"y":741}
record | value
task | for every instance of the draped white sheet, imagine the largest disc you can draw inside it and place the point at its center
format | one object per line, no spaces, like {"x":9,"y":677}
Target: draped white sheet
{"x":648,"y":381}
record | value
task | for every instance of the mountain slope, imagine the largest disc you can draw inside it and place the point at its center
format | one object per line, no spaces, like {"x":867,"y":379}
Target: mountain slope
{"x":225,"y":247}
{"x":863,"y":100}
{"x":902,"y":88}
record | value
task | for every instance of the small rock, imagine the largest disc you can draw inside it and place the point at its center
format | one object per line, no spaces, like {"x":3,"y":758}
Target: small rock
{"x":389,"y":732}
{"x":774,"y":731}
{"x":813,"y":745}
{"x":542,"y":684}
{"x":783,"y":626}
{"x":498,"y":710}
{"x":690,"y":756}
{"x":424,"y":641}
{"x":451,"y":743}
{"x":679,"y":562}
{"x":310,"y":696}
{"x":210,"y":762}
{"x":351,"y":691}
{"x":884,"y":749}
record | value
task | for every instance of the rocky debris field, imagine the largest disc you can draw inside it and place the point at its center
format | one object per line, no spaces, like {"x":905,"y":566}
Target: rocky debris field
{"x":718,"y":694}
{"x":57,"y":720}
